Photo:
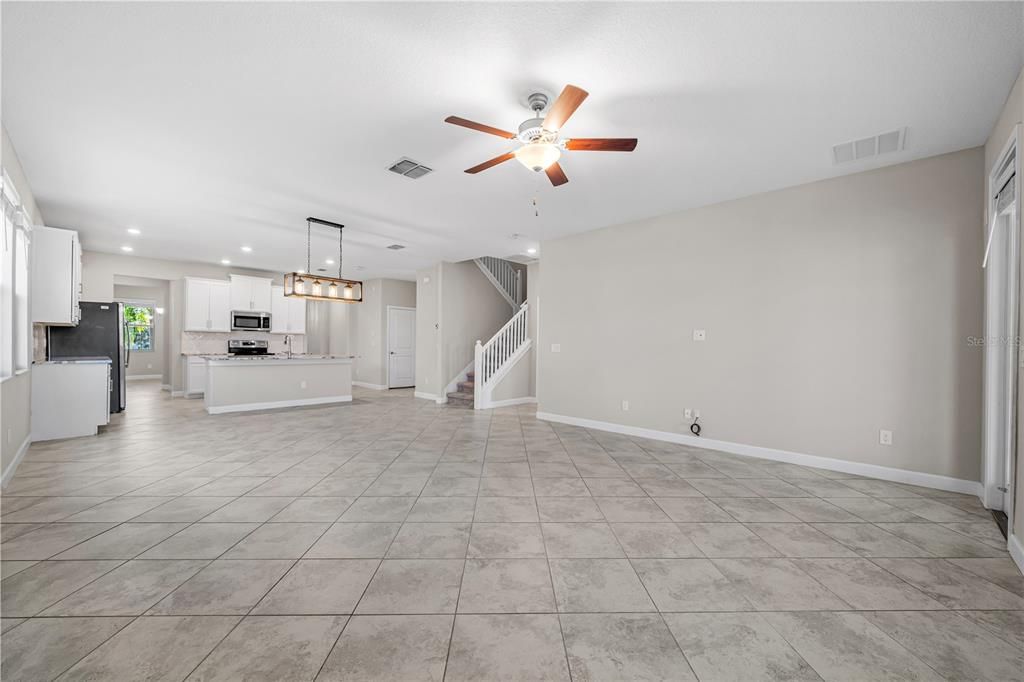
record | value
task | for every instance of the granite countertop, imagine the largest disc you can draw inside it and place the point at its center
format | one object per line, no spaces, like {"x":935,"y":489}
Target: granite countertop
{"x":92,"y":360}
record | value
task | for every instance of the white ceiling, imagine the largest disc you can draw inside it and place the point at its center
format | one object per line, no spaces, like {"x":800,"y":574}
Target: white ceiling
{"x":210,"y":126}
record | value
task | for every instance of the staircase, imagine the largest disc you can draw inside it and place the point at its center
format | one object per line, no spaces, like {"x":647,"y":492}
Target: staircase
{"x":494,"y":359}
{"x":505,"y":277}
{"x":466,"y":395}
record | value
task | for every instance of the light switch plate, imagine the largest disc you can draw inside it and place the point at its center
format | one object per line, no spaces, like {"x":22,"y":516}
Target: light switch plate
{"x":700,"y":335}
{"x":625,"y":406}
{"x":885,"y":437}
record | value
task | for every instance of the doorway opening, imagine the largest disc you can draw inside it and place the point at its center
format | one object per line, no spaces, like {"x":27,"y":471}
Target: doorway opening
{"x":1002,"y":336}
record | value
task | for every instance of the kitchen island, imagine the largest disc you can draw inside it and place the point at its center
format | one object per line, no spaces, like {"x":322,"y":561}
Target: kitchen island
{"x":264,"y":382}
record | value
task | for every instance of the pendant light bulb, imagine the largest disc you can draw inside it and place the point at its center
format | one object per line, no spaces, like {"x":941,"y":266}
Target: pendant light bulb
{"x":332,"y":290}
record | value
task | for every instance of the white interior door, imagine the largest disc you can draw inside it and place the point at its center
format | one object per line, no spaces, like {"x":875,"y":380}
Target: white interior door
{"x":401,"y":347}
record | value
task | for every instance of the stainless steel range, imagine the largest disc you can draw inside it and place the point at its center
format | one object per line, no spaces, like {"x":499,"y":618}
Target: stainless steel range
{"x":248,"y":347}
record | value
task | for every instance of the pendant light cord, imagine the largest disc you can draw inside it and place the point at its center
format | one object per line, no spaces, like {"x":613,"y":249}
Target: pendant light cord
{"x":339,"y":253}
{"x":308,"y":228}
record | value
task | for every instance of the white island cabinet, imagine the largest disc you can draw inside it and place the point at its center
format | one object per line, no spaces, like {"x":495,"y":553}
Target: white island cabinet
{"x":246,"y":383}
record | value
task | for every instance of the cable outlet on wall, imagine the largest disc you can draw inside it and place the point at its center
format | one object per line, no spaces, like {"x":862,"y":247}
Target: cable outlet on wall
{"x":625,"y":406}
{"x":885,"y":437}
{"x":700,"y":335}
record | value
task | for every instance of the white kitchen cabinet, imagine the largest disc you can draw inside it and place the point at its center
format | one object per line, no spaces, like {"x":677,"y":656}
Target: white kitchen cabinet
{"x":195,"y":376}
{"x":250,"y":294}
{"x":287,"y":313}
{"x":207,"y":305}
{"x":70,"y":398}
{"x":56,"y":276}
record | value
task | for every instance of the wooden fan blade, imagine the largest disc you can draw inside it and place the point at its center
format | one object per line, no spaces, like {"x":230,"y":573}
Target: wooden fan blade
{"x":493,"y":162}
{"x":570,"y":100}
{"x":556,"y":175}
{"x":473,"y":125}
{"x":601,"y":144}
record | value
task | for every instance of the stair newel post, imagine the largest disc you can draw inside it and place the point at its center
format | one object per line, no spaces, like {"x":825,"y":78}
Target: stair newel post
{"x":478,"y":375}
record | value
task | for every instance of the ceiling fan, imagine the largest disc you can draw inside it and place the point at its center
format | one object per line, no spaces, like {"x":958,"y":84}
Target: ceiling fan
{"x":542,"y":147}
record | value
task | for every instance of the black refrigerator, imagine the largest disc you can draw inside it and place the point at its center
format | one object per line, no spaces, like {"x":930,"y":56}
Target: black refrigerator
{"x":100,"y":333}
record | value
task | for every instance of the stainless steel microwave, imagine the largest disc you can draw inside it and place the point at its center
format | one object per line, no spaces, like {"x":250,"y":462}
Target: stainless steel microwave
{"x":244,"y":320}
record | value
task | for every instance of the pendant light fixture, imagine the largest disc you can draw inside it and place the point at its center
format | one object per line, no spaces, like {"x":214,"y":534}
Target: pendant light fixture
{"x":304,"y":284}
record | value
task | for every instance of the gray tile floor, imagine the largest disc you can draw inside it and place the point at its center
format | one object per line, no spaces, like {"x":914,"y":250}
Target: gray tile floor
{"x":395,"y":539}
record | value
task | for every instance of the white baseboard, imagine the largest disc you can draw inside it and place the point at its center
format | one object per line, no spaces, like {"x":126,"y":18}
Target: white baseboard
{"x":375,"y":387}
{"x":252,"y":407}
{"x":13,"y":466}
{"x":1016,"y":552}
{"x":177,"y":394}
{"x":439,"y":399}
{"x":166,"y":387}
{"x":956,"y":485}
{"x":511,"y":402}
{"x":141,"y":377}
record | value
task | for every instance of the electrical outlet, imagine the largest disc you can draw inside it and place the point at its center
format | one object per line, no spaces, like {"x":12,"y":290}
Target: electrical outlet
{"x":625,"y":406}
{"x":302,"y":384}
{"x":885,"y":437}
{"x":149,"y":365}
{"x":700,"y":335}
{"x":556,"y":348}
{"x":688,"y":413}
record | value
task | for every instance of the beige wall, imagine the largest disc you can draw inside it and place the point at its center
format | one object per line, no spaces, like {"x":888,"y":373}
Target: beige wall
{"x":369,"y":327}
{"x":16,"y":392}
{"x":832,"y":310}
{"x":456,"y":307}
{"x":1012,"y":114}
{"x":428,"y":332}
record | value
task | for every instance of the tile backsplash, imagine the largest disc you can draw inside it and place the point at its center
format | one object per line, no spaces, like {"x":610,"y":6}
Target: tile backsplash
{"x":216,"y":343}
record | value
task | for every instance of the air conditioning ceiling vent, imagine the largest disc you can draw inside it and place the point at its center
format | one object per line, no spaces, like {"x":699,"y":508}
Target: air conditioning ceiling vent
{"x":396,"y":247}
{"x":409,"y":168}
{"x":868,"y":147}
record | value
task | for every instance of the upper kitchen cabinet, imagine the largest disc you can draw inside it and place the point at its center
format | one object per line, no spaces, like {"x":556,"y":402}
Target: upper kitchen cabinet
{"x":56,"y":276}
{"x":250,"y":294}
{"x":287,"y":313}
{"x":207,"y":305}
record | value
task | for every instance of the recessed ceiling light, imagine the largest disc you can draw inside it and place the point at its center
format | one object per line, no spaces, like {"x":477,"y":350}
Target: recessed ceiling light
{"x":247,"y":249}
{"x":127,"y":248}
{"x":132,"y":230}
{"x":225,"y":261}
{"x":531,"y":251}
{"x":329,"y":261}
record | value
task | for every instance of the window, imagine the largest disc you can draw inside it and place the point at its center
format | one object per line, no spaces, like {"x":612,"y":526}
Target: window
{"x":15,"y":323}
{"x":138,"y":321}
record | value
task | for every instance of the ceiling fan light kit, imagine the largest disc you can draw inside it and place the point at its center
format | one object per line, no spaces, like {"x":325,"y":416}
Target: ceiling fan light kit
{"x":304,"y":284}
{"x":541,"y":147}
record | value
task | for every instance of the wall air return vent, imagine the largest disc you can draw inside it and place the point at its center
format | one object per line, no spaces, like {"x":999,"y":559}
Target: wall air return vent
{"x":409,"y":168}
{"x":868,"y":147}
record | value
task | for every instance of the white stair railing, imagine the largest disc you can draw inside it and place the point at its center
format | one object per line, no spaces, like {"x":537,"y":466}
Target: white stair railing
{"x":493,"y":359}
{"x":505,"y":277}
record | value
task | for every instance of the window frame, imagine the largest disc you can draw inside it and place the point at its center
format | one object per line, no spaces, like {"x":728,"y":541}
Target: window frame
{"x":151,"y":305}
